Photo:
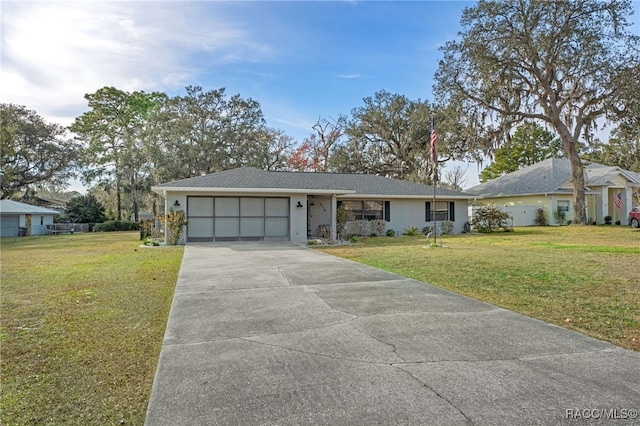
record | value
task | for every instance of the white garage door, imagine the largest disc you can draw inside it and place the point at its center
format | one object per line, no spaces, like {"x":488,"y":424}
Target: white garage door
{"x":237,"y":219}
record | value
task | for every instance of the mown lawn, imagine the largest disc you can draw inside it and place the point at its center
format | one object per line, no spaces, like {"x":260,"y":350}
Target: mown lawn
{"x":83,"y":318}
{"x":585,"y":278}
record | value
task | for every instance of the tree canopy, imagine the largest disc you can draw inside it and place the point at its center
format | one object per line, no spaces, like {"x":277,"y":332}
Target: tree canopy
{"x":34,"y":153}
{"x":564,"y":63}
{"x":529,"y":144}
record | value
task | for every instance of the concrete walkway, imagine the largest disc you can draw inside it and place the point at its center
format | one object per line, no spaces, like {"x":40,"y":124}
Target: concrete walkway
{"x":278,"y":334}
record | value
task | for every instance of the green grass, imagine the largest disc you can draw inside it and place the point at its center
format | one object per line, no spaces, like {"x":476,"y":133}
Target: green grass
{"x":584,"y":278}
{"x":83,"y":318}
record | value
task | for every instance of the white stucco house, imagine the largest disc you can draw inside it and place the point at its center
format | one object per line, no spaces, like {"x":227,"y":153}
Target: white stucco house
{"x":19,"y":218}
{"x":247,"y":204}
{"x":547,"y":185}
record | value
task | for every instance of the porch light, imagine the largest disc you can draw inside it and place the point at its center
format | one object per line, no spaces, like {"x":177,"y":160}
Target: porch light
{"x":299,"y":205}
{"x":176,"y":204}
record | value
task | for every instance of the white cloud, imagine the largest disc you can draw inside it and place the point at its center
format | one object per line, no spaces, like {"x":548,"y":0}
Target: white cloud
{"x":355,"y":75}
{"x":55,"y":52}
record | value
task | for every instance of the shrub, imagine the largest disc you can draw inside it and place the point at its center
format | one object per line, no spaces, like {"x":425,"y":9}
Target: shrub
{"x":325,"y":231}
{"x":342,"y":216}
{"x":391,"y":233}
{"x":353,"y":238}
{"x":146,"y":228}
{"x":559,"y":215}
{"x":176,"y":220}
{"x":490,"y":219}
{"x":116,"y":225}
{"x":607,"y":220}
{"x":359,"y":227}
{"x":411,"y":232}
{"x":377,"y":226}
{"x":541,"y":218}
{"x":446,"y":227}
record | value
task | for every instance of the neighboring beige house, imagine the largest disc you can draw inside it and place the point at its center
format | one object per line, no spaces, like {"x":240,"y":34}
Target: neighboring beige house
{"x":547,"y":185}
{"x":20,"y":219}
{"x":248,"y":204}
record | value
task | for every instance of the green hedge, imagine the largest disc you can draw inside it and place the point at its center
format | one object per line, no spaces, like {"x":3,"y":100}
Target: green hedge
{"x":116,"y":225}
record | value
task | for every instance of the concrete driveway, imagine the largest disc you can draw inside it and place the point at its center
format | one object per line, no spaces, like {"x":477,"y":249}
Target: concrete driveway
{"x":278,"y":334}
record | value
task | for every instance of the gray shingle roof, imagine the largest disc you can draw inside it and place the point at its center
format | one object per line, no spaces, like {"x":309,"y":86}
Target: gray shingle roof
{"x":547,"y":177}
{"x":362,"y":184}
{"x":15,"y":207}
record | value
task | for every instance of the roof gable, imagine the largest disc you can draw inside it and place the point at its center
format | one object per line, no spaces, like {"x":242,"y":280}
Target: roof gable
{"x":246,"y":178}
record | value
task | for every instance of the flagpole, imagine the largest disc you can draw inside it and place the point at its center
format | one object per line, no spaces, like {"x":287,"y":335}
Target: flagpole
{"x":434,"y":161}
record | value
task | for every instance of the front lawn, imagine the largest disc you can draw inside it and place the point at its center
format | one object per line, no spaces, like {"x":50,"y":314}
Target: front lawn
{"x":585,"y":278}
{"x":83,"y":318}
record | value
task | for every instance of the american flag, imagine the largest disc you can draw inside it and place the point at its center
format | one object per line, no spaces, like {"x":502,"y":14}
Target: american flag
{"x":618,"y":201}
{"x":434,"y":138}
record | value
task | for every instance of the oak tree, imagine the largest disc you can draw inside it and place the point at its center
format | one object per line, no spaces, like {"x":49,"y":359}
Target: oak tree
{"x":35,"y":153}
{"x":562,"y":63}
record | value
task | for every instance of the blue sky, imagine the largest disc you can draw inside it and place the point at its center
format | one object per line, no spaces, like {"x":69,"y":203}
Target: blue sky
{"x":300,"y":60}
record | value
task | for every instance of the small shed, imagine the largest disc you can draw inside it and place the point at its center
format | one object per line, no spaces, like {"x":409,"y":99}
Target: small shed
{"x":20,"y":219}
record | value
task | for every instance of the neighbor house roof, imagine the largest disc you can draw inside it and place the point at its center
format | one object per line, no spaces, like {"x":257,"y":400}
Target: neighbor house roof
{"x":15,"y":207}
{"x":550,"y":176}
{"x":247,"y":179}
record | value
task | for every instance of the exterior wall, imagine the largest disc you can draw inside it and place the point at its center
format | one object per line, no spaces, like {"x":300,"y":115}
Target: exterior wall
{"x":298,"y":218}
{"x":39,"y":223}
{"x":35,"y":228}
{"x":409,"y":213}
{"x":319,"y":213}
{"x":9,"y":225}
{"x":297,"y":215}
{"x":405,"y":213}
{"x":523,"y":208}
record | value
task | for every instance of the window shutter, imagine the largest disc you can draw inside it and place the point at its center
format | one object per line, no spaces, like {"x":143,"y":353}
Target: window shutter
{"x":387,"y":211}
{"x":427,"y":211}
{"x":452,"y":211}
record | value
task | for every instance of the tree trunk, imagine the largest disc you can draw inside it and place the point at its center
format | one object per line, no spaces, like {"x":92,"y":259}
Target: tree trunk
{"x":577,"y":174}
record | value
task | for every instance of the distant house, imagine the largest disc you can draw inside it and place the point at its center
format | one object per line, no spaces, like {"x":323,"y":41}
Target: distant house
{"x":547,"y":185}
{"x":247,"y":204}
{"x":20,"y":219}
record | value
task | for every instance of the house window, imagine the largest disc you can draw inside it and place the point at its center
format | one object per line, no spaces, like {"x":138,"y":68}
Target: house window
{"x":563,"y":206}
{"x":444,"y":210}
{"x":365,"y":210}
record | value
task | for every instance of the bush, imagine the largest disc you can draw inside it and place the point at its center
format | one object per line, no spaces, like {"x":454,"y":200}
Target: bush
{"x":490,"y":219}
{"x":353,"y":238}
{"x":176,"y":221}
{"x":377,"y":226}
{"x":325,"y":231}
{"x":541,"y":218}
{"x":411,"y":232}
{"x":116,"y":225}
{"x":391,"y":233}
{"x":446,"y":227}
{"x":358,"y":227}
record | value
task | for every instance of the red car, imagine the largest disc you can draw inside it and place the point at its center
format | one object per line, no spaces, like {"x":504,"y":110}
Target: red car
{"x":634,"y":217}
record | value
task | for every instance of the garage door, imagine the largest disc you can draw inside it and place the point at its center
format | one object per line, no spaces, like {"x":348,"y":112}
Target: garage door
{"x":237,"y":219}
{"x":9,"y":226}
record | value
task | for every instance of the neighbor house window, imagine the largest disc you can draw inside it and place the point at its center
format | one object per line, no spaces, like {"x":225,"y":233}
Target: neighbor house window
{"x":444,"y":210}
{"x":563,"y":206}
{"x":366,"y":210}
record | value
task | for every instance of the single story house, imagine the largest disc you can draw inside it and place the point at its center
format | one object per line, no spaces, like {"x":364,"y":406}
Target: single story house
{"x":547,"y":185}
{"x":247,"y":204}
{"x":20,"y":219}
